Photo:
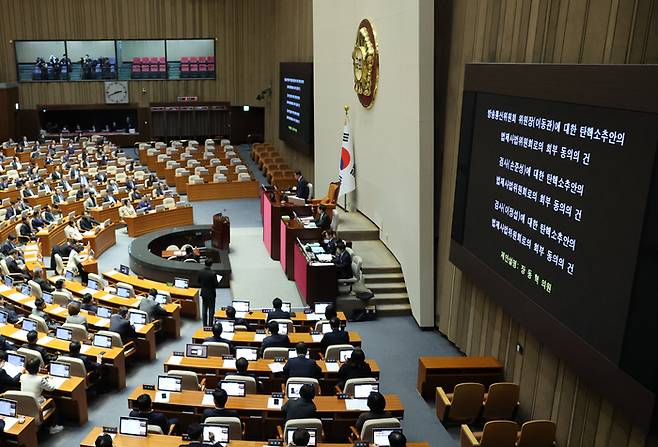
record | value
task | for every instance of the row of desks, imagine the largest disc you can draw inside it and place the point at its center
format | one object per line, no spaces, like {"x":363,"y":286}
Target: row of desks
{"x":246,"y":338}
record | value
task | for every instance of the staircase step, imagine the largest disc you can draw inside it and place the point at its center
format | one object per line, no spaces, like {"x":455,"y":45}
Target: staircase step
{"x":359,"y":235}
{"x":378,"y":278}
{"x":373,"y":269}
{"x":379,"y":298}
{"x":377,"y":288}
{"x":393,"y":309}
{"x":384,"y":306}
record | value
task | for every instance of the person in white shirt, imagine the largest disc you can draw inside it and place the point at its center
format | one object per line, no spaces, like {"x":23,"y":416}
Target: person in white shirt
{"x":127,"y":209}
{"x":71,"y":232}
{"x":33,"y":383}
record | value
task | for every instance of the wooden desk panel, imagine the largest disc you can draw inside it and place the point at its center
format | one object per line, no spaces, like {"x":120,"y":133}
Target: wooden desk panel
{"x":291,"y":230}
{"x":226,"y":190}
{"x":177,"y":217}
{"x":175,"y":441}
{"x":447,"y":372}
{"x":101,"y":241}
{"x":24,"y":434}
{"x":246,"y":338}
{"x":112,"y":213}
{"x":181,"y":183}
{"x":40,"y":200}
{"x":77,"y":206}
{"x":12,"y":194}
{"x":316,"y":282}
{"x":299,"y":319}
{"x":71,"y":400}
{"x":187,"y":298}
{"x":53,"y":236}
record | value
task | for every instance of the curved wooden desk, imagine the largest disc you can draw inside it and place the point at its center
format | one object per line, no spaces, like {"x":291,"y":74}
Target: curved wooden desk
{"x":176,"y":217}
{"x":246,"y":338}
{"x":305,"y":321}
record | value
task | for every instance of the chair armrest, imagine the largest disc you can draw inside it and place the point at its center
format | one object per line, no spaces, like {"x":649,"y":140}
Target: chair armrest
{"x":202,"y":384}
{"x":47,"y":403}
{"x":442,"y":404}
{"x":354,"y":434}
{"x":468,"y":439}
{"x":279,"y":431}
{"x":283,"y":388}
{"x":338,"y":390}
{"x":172,"y":427}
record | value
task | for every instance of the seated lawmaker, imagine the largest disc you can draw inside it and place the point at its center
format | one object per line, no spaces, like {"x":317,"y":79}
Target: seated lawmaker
{"x":322,"y":221}
{"x":87,"y":222}
{"x":355,"y":367}
{"x":302,"y":190}
{"x":242,"y":369}
{"x":152,"y":307}
{"x":397,"y":439}
{"x":91,"y":202}
{"x":302,"y":407}
{"x":32,"y":337}
{"x":88,"y":303}
{"x":219,"y":397}
{"x":37,"y":223}
{"x":277,"y":313}
{"x":195,"y":434}
{"x":144,"y":409}
{"x":74,"y":314}
{"x":189,"y":254}
{"x":127,"y":209}
{"x":216,"y":336}
{"x":39,"y":278}
{"x":343,"y":262}
{"x":300,"y":437}
{"x":274,"y":340}
{"x":301,"y":366}
{"x":8,"y":382}
{"x":337,"y":336}
{"x":47,"y":215}
{"x":377,"y":405}
{"x":230,"y":315}
{"x":120,"y":324}
{"x":25,"y":230}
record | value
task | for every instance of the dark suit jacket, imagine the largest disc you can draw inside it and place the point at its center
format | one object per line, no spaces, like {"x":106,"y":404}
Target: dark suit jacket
{"x":41,"y":350}
{"x":348,"y":371}
{"x":302,"y":188}
{"x":219,"y":340}
{"x":338,"y":337}
{"x":217,"y":412}
{"x":302,"y":367}
{"x":154,"y":418}
{"x":298,"y":409}
{"x":7,"y":247}
{"x":122,"y":327}
{"x":12,"y":266}
{"x":344,"y":265}
{"x":208,"y":283}
{"x":275,"y":341}
{"x":89,"y":307}
{"x":370,"y":415}
{"x":25,"y":230}
{"x":90,"y":365}
{"x":323,"y":221}
{"x":278,"y":315}
{"x":9,"y":383}
{"x":45,"y":285}
{"x":200,"y":444}
{"x":87,"y":224}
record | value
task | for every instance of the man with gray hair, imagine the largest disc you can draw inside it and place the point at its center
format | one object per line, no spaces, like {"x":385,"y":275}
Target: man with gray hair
{"x":38,"y":277}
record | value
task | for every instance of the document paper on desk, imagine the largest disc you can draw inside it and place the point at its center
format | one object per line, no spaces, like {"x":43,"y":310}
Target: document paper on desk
{"x":102,"y":322}
{"x":272,"y":406}
{"x":57,"y":381}
{"x":9,"y":422}
{"x":276,"y":367}
{"x":332,"y":367}
{"x":228,"y":364}
{"x":317,"y":250}
{"x":87,"y":290}
{"x":208,"y":400}
{"x":11,"y":369}
{"x":259,"y":337}
{"x":84,"y":348}
{"x":356,"y":404}
{"x":175,"y":360}
{"x":324,"y":257}
{"x":44,"y":340}
{"x":317,"y":338}
{"x":4,"y":288}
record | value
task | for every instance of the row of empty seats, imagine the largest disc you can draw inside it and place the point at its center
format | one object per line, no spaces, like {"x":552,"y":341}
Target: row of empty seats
{"x":274,"y":167}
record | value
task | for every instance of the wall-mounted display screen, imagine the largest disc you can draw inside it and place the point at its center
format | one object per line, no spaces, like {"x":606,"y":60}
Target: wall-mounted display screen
{"x":97,"y":60}
{"x":296,"y":105}
{"x":555,"y":211}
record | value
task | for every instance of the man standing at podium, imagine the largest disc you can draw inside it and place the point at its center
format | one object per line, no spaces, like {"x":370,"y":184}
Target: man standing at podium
{"x":208,"y":282}
{"x":302,"y":186}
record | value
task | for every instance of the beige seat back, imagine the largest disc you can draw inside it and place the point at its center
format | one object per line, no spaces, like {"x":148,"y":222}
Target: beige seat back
{"x":368,"y":426}
{"x":35,"y":289}
{"x":466,"y":402}
{"x":31,"y":354}
{"x":102,"y":283}
{"x":539,"y":433}
{"x":42,"y":326}
{"x":250,"y":385}
{"x":79,"y":332}
{"x":77,"y":365}
{"x":499,"y":434}
{"x":311,"y":423}
{"x":154,"y":429}
{"x":304,"y":381}
{"x":501,"y":402}
{"x":26,"y":404}
{"x":289,"y":325}
{"x":272,"y":353}
{"x":217,"y":349}
{"x":332,"y":354}
{"x":127,"y":286}
{"x":60,"y":298}
{"x":189,"y":382}
{"x":116,"y":338}
{"x":234,"y":426}
{"x":348,"y":388}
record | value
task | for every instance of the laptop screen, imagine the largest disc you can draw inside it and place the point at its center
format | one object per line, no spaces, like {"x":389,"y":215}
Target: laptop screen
{"x":227,"y":325}
{"x":246,"y":352}
{"x":363,"y":390}
{"x":170,"y":383}
{"x":103,"y":312}
{"x":8,"y":408}
{"x":199,"y":351}
{"x":283,"y":328}
{"x":292,"y":353}
{"x":29,"y":325}
{"x":161,"y":299}
{"x":292,"y":391}
{"x":92,"y":284}
{"x":60,"y":369}
{"x":133,"y":426}
{"x":286,"y":307}
{"x":326,"y":327}
{"x":380,"y":435}
{"x":311,"y":439}
{"x":9,"y":282}
{"x":123,"y":292}
{"x":3,"y":316}
{"x":241,"y":306}
{"x":233,"y":388}
{"x":102,"y":341}
{"x":345,"y":354}
{"x":136,"y":318}
{"x":219,"y":431}
{"x":181,"y":283}
{"x":47,"y":297}
{"x":124,"y":269}
{"x":25,"y":289}
{"x":69,"y":275}
{"x":63,"y":333}
{"x":320,"y":308}
{"x":16,"y":359}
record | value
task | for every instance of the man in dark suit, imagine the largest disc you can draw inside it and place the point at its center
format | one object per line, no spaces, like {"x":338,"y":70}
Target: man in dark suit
{"x":152,"y":307}
{"x":397,"y":439}
{"x":9,"y":245}
{"x":303,"y":407}
{"x":143,"y":409}
{"x":277,"y":313}
{"x":300,"y":437}
{"x":301,"y":366}
{"x":8,"y":382}
{"x":217,"y":336}
{"x":242,"y":369}
{"x":25,"y":229}
{"x":90,"y":366}
{"x":220,"y":397}
{"x":195,"y":434}
{"x":302,"y":186}
{"x":323,"y":222}
{"x":119,"y":323}
{"x":38,"y":277}
{"x":208,"y":282}
{"x":337,"y":336}
{"x":32,"y":338}
{"x":274,"y":340}
{"x":230,"y":315}
{"x":87,"y":222}
{"x":343,"y":262}
{"x":88,"y":304}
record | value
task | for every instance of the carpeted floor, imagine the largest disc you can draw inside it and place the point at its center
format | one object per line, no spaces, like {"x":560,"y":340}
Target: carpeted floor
{"x":394,"y":342}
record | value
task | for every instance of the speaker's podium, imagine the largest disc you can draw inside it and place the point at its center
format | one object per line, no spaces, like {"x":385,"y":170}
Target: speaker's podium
{"x":316,"y":276}
{"x":221,"y":231}
{"x":273,"y":207}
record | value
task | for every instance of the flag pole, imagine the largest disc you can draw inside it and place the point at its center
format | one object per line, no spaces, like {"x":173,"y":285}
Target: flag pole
{"x":347,"y":109}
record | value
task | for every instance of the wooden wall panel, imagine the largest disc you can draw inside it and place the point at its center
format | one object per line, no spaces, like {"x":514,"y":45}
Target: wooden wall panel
{"x":537,"y":31}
